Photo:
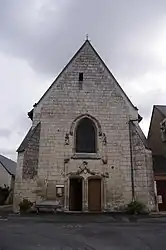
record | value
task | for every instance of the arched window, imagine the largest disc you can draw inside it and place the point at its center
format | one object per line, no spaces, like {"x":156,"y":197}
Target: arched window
{"x":86,"y":136}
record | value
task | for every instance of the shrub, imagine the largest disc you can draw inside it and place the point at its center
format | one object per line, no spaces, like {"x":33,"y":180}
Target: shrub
{"x":136,"y":207}
{"x":4,"y":193}
{"x":25,"y":205}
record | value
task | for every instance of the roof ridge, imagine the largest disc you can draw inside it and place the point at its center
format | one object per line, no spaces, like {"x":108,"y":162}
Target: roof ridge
{"x":4,"y":167}
{"x":28,"y":136}
{"x":8,"y":158}
{"x":71,"y":59}
{"x":159,"y":105}
{"x":95,"y":51}
{"x":160,"y":110}
{"x":8,"y":164}
{"x":141,"y":135}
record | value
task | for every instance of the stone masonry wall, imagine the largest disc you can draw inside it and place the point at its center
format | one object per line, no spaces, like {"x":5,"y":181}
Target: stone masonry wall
{"x":22,"y":188}
{"x":26,"y":172}
{"x":143,"y":171}
{"x":101,"y":99}
{"x":30,"y":162}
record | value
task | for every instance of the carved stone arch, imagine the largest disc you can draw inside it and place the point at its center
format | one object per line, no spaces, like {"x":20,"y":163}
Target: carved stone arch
{"x":80,"y":117}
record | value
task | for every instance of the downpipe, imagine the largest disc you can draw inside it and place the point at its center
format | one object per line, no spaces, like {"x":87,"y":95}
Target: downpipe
{"x":131,"y":159}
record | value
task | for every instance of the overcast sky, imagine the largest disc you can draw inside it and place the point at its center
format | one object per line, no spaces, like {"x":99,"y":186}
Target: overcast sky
{"x":38,"y":37}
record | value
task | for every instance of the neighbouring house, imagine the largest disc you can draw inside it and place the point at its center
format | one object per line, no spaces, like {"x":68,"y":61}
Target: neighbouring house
{"x":7,"y":171}
{"x":7,"y":174}
{"x":157,"y":143}
{"x":85,"y":147}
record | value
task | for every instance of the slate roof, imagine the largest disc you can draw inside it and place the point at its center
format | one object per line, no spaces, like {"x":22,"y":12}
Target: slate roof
{"x":142,"y":136}
{"x":27,"y":138}
{"x":162,"y":109}
{"x":8,"y":164}
{"x":25,"y":141}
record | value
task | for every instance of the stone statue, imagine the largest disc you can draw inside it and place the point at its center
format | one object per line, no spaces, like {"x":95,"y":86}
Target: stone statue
{"x":67,"y":139}
{"x":104,"y":139}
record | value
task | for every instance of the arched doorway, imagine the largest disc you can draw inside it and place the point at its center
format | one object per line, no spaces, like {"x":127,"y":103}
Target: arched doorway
{"x":94,"y":194}
{"x":75,"y":194}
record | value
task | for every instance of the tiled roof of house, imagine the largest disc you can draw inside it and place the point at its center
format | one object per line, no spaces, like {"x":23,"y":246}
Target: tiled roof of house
{"x":162,"y":109}
{"x":8,"y":164}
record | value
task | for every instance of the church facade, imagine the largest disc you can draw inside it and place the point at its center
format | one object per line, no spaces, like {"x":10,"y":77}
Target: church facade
{"x":85,"y":147}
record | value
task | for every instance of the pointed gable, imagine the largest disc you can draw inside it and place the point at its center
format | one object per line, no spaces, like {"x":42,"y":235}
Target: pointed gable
{"x":88,"y":48}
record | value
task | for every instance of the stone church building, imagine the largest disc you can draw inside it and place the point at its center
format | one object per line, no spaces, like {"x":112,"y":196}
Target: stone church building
{"x":85,"y":147}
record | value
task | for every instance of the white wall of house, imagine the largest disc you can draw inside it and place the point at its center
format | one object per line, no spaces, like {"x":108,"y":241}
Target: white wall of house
{"x":5,"y":177}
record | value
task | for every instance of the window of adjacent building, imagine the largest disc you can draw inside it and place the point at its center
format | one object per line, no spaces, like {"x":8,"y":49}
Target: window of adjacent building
{"x":86,"y":136}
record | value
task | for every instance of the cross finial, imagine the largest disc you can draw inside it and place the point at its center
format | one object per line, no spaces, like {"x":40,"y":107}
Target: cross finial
{"x":87,"y":37}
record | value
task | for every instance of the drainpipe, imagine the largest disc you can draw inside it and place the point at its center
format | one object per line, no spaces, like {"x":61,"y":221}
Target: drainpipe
{"x":131,"y":159}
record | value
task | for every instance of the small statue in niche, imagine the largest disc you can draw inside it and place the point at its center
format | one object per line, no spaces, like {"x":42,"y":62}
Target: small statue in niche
{"x":163,"y":130}
{"x":67,"y":139}
{"x":104,"y":139}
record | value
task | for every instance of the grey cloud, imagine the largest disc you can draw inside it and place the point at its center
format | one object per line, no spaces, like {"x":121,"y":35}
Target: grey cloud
{"x":148,"y":99}
{"x":5,"y":132}
{"x":10,"y":153}
{"x":47,"y":37}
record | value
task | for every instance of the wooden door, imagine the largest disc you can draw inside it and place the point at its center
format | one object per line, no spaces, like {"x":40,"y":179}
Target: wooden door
{"x":94,"y":195}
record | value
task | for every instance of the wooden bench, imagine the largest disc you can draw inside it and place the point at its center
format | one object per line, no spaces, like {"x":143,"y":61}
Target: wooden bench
{"x":47,"y":204}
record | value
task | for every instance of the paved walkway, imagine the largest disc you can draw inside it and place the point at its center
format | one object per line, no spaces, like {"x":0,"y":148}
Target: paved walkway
{"x":31,"y":234}
{"x":83,"y":218}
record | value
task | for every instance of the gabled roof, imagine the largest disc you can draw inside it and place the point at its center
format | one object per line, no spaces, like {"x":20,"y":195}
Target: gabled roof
{"x":87,"y":42}
{"x":155,"y":142}
{"x":27,"y":138}
{"x":8,"y":164}
{"x":161,"y":108}
{"x":142,"y":136}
